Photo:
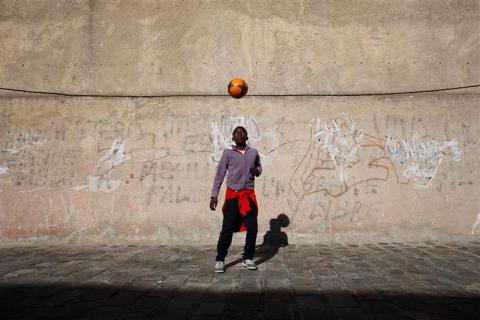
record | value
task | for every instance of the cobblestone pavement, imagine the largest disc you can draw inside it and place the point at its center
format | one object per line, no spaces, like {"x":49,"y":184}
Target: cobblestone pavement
{"x":424,"y":280}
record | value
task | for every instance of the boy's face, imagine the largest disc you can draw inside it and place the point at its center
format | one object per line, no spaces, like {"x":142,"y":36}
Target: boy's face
{"x":240,"y":136}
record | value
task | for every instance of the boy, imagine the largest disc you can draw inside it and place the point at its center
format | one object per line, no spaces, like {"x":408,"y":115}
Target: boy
{"x":240,"y":208}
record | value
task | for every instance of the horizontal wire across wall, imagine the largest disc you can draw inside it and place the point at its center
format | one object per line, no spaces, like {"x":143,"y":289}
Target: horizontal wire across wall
{"x":66,"y":94}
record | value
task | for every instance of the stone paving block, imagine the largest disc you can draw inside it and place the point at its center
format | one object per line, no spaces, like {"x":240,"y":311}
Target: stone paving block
{"x":351,"y":314}
{"x":161,"y":292}
{"x":74,"y":310}
{"x":147,"y":304}
{"x":278,"y":284}
{"x":209,"y":309}
{"x":122,"y":298}
{"x":342,"y":299}
{"x":171,"y":314}
{"x":244,"y":301}
{"x":104,"y":313}
{"x":31,"y":314}
{"x":383,"y":307}
{"x":311,"y":302}
{"x":144,"y":286}
{"x":22,"y":304}
{"x":300,"y":285}
{"x":314,"y":314}
{"x":224,"y":284}
{"x":332,"y":284}
{"x":134,"y":316}
{"x":99,"y":294}
{"x":60,"y":298}
{"x":184,"y":300}
{"x":282,"y":310}
{"x":18,"y":273}
{"x":202,"y":317}
{"x":243,"y":314}
{"x":211,"y":295}
{"x":9,"y":299}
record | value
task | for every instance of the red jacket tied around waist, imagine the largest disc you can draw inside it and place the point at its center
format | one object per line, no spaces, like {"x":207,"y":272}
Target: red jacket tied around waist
{"x":243,"y":202}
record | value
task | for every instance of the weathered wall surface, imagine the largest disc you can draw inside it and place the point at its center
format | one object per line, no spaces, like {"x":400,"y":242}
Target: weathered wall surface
{"x":404,"y":166}
{"x":135,"y":169}
{"x":157,"y":47}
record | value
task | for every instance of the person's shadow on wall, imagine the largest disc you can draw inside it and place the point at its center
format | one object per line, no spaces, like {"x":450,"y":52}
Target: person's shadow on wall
{"x":273,"y":240}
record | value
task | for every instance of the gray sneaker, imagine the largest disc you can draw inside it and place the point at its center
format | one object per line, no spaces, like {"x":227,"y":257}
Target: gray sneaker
{"x":249,"y":264}
{"x":219,"y":267}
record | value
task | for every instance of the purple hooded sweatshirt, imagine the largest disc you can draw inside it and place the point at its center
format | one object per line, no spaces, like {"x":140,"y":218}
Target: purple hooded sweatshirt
{"x":238,"y":166}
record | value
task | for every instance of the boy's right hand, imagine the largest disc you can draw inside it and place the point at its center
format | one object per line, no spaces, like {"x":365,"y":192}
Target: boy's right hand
{"x":213,"y":203}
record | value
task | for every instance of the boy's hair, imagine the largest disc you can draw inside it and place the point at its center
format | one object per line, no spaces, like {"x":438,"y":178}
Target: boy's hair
{"x":239,"y":128}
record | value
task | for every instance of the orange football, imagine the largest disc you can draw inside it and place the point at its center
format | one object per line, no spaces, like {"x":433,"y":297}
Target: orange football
{"x":237,"y":88}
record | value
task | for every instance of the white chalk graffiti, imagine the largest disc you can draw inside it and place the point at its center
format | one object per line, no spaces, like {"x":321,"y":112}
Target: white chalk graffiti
{"x":340,"y":140}
{"x":421,"y":157}
{"x":222,"y":135}
{"x":20,"y":143}
{"x":476,"y":225}
{"x":340,"y":157}
{"x":99,"y":180}
{"x":3,"y":170}
{"x":23,"y":141}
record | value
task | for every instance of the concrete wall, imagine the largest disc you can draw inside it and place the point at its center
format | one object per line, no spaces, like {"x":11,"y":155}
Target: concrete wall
{"x":136,"y":169}
{"x":279,"y":47}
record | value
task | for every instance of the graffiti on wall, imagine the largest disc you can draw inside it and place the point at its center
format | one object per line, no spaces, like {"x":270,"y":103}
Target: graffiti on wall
{"x":171,"y":164}
{"x":476,"y":225}
{"x":23,"y":141}
{"x":420,"y":157}
{"x":221,"y":132}
{"x":99,"y":180}
{"x":17,"y":145}
{"x":340,"y":157}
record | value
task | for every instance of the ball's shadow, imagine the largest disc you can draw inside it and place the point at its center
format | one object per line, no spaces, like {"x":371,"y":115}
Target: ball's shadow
{"x":273,"y":240}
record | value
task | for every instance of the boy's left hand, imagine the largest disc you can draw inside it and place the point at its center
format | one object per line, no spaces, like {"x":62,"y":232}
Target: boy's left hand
{"x":254,"y":172}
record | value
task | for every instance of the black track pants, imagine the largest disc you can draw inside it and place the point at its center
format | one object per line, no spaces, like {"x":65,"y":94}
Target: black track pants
{"x":232,"y":219}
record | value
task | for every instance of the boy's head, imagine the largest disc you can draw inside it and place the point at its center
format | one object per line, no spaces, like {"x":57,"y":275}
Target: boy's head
{"x":240,"y":136}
